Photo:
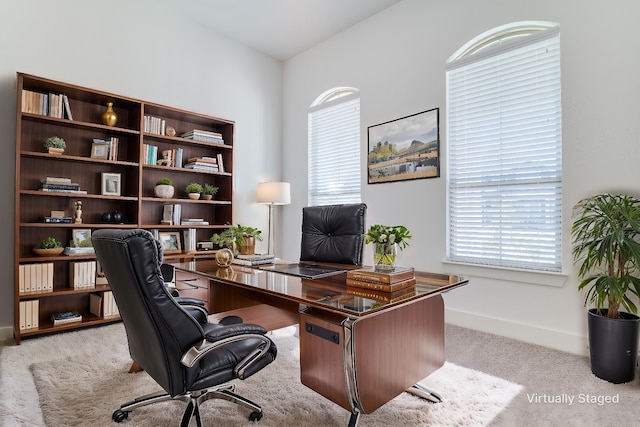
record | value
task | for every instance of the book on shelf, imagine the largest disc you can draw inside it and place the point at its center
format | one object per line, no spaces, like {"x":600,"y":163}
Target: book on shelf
{"x":380,"y":286}
{"x":382,"y":296}
{"x":154,"y":124}
{"x":203,"y":159}
{"x":82,"y":275}
{"x":204,"y":136}
{"x":55,"y":180}
{"x":66,"y":317}
{"x":58,"y":220}
{"x":35,"y":277}
{"x":193,"y":222}
{"x":202,"y":167}
{"x":370,"y":274}
{"x":220,"y":162}
{"x":67,"y":107}
{"x":70,"y":186}
{"x":171,"y":214}
{"x":72,"y":250}
{"x":58,"y":190}
{"x":189,"y":240}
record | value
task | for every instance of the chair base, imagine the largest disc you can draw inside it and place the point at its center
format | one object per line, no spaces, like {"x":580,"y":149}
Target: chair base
{"x":193,"y":399}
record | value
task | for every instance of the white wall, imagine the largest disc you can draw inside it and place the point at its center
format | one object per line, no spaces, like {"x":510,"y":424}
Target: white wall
{"x":139,"y":49}
{"x":397,"y":59}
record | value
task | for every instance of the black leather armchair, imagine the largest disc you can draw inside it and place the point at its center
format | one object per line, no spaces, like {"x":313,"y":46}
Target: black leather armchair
{"x":192,"y":362}
{"x":333,"y":233}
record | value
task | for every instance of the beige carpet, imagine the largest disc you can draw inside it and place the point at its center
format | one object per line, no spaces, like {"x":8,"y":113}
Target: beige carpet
{"x":89,"y":380}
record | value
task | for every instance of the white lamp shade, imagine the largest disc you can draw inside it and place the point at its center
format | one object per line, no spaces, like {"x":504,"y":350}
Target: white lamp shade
{"x":274,"y":193}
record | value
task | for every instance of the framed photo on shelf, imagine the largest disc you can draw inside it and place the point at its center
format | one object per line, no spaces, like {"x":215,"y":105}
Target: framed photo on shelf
{"x":81,"y":234}
{"x":404,"y":148}
{"x":111,"y":184}
{"x":99,"y":150}
{"x":170,"y":242}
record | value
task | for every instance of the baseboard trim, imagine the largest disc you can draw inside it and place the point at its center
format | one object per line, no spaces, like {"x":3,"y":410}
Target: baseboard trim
{"x":6,"y":333}
{"x":545,"y":337}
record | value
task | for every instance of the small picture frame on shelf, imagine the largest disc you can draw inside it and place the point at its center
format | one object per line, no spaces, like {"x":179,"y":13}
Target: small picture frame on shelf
{"x":80,"y":234}
{"x":111,"y":184}
{"x":170,"y":242}
{"x":99,"y":150}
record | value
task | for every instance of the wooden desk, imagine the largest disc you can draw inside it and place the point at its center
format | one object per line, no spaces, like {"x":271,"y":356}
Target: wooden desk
{"x":357,"y":352}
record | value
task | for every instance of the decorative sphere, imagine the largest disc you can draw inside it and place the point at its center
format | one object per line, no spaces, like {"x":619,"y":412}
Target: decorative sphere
{"x":116,"y":216}
{"x":106,"y":217}
{"x":224,"y":257}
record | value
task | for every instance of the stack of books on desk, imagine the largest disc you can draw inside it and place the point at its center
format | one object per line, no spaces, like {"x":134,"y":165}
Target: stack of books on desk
{"x":255,"y":259}
{"x":381,"y":296}
{"x":386,"y":281}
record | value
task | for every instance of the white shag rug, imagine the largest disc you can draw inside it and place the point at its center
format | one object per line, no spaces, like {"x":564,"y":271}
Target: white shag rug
{"x":80,"y":378}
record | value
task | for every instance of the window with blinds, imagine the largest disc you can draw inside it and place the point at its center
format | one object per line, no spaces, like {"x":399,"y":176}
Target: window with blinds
{"x":334,"y":148}
{"x":505,"y":152}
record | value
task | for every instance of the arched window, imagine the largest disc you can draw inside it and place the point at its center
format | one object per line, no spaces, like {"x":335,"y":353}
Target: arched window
{"x":505,"y":149}
{"x":334,"y":147}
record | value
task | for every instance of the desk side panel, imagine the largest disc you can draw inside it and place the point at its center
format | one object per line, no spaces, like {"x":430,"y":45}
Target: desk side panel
{"x":396,"y":349}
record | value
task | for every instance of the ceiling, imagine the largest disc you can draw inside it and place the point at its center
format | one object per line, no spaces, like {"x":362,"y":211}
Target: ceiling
{"x":279,"y":28}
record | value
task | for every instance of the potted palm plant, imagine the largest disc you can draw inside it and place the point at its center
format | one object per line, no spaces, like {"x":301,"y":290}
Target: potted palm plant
{"x":238,"y":238}
{"x":606,"y":245}
{"x":208,"y":191}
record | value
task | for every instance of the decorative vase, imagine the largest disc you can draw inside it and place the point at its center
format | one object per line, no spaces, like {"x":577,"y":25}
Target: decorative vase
{"x":109,"y":117}
{"x":164,"y":191}
{"x":248,"y":245}
{"x":384,"y":256}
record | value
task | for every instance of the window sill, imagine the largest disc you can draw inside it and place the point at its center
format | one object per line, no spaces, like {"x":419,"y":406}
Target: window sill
{"x":546,"y":278}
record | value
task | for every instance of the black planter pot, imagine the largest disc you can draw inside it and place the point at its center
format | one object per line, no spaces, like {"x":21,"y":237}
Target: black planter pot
{"x":613,"y":345}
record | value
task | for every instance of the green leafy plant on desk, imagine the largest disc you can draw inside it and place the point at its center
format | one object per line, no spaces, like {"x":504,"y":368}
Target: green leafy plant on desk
{"x":236,"y":236}
{"x":386,"y":240}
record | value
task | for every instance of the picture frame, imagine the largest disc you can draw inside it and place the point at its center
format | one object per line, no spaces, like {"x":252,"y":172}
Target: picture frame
{"x":80,"y":234}
{"x":111,"y":184}
{"x":170,"y":242}
{"x":404,"y":149}
{"x":99,"y":150}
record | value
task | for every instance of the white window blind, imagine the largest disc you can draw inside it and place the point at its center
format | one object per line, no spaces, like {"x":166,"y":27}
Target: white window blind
{"x":334,"y":151}
{"x":505,"y":155}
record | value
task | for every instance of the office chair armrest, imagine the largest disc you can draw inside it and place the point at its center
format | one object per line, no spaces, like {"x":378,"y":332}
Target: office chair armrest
{"x":227,"y":335}
{"x":189,"y":301}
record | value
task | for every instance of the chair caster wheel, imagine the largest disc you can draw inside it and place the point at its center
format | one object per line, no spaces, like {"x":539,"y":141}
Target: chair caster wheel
{"x":119,"y":416}
{"x":256,"y":416}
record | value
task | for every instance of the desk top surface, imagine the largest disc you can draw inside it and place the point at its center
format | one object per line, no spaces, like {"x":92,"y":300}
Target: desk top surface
{"x":330,"y":293}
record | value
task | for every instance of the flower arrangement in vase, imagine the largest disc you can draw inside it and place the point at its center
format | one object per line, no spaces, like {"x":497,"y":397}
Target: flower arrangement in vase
{"x":387,"y":240}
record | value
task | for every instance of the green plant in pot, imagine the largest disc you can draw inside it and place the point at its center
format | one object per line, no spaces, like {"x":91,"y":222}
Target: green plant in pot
{"x":606,"y":245}
{"x":49,"y":246}
{"x":193,"y":190}
{"x":208,"y":191}
{"x":55,"y":145}
{"x":164,"y":188}
{"x":238,"y":238}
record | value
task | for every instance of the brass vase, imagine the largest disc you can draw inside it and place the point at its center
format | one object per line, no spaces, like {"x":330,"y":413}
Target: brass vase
{"x":109,"y":117}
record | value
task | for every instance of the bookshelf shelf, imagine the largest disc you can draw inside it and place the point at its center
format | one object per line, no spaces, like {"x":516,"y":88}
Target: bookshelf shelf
{"x":37,"y":118}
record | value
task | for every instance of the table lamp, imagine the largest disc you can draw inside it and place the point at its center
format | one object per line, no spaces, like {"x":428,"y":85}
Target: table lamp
{"x":273,"y":193}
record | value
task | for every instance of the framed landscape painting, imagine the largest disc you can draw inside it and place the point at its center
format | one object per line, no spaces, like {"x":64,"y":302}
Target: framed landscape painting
{"x":404,"y":148}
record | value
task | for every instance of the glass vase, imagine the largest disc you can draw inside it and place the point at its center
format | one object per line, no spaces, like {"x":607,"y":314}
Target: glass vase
{"x":384,"y":256}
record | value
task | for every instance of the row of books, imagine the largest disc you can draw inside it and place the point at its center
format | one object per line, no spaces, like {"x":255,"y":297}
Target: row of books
{"x":36,"y":277}
{"x":189,"y":240}
{"x":154,"y":125}
{"x":173,"y":157}
{"x":171,"y":214}
{"x":103,"y":305}
{"x":386,"y":281}
{"x":110,"y":149}
{"x":204,"y":136}
{"x":46,"y":104}
{"x":255,"y":259}
{"x":82,"y":275}
{"x":149,"y":154}
{"x":29,"y":314}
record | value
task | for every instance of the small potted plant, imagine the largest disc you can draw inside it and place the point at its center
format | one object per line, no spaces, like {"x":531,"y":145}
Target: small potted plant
{"x":208,"y":191}
{"x":55,"y":145}
{"x":606,"y":244}
{"x":49,"y":246}
{"x":193,"y":190}
{"x":387,"y":239}
{"x":164,"y":188}
{"x":238,"y":238}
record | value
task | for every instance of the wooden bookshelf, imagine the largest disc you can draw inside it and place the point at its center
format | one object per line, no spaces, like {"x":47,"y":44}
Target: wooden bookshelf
{"x":136,"y":201}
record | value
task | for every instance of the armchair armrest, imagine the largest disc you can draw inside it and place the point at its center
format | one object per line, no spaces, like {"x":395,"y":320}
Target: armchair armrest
{"x":224,"y":335}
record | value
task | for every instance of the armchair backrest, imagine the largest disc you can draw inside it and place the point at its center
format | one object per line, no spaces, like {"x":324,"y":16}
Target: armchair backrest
{"x":333,"y":233}
{"x":158,"y":330}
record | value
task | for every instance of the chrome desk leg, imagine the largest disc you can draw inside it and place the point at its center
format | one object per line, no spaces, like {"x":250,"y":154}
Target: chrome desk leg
{"x":423,"y":392}
{"x":353,"y":420}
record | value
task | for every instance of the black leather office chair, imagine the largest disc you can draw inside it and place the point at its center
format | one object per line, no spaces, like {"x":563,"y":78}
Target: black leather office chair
{"x":192,"y":362}
{"x":333,"y":233}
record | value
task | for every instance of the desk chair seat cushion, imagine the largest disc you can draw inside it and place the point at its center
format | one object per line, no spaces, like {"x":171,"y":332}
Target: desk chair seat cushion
{"x":160,"y":331}
{"x":333,"y":233}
